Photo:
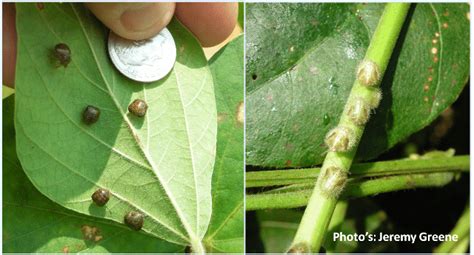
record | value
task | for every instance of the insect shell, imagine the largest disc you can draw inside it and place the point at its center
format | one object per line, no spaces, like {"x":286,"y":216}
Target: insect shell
{"x":101,"y":197}
{"x":62,"y":53}
{"x":90,"y":115}
{"x":359,"y":111}
{"x":340,"y":139}
{"x":368,"y":73}
{"x":134,"y":220}
{"x":375,"y":99}
{"x":331,"y":181}
{"x":138,"y":108}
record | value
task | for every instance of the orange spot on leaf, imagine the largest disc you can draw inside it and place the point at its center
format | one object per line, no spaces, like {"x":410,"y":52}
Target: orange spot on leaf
{"x":426,"y":87}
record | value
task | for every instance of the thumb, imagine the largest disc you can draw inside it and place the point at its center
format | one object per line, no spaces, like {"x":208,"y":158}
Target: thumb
{"x":135,"y":21}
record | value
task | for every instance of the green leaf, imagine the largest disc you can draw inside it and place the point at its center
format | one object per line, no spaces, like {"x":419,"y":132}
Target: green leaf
{"x":160,"y":165}
{"x":240,"y":17}
{"x":226,"y":227}
{"x":301,"y":62}
{"x":277,"y":228}
{"x":226,"y":231}
{"x":33,"y":223}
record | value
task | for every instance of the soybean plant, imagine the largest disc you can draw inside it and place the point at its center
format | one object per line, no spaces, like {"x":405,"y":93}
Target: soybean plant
{"x":343,"y":140}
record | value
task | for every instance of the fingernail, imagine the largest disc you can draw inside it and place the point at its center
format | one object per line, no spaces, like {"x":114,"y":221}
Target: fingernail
{"x":142,"y":17}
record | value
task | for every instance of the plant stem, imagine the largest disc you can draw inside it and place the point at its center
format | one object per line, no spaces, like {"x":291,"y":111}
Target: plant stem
{"x":462,"y":231}
{"x":381,"y":168}
{"x":298,"y":195}
{"x":197,"y":247}
{"x":336,"y":223}
{"x":313,"y":226}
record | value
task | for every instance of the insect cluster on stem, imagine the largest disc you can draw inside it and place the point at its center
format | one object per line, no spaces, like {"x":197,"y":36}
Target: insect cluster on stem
{"x":359,"y":108}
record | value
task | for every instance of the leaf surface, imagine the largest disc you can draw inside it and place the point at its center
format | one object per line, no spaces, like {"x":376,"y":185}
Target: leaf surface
{"x":160,"y":165}
{"x":226,"y":231}
{"x":226,"y":228}
{"x":33,"y":223}
{"x":301,"y":62}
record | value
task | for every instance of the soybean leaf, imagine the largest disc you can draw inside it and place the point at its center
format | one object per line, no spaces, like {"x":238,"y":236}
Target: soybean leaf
{"x":226,"y":231}
{"x":160,"y":165}
{"x":301,"y":62}
{"x":33,"y":223}
{"x":277,"y":228}
{"x":226,"y":227}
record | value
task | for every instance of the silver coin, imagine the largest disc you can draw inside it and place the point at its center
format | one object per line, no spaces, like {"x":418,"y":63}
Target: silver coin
{"x":146,"y":60}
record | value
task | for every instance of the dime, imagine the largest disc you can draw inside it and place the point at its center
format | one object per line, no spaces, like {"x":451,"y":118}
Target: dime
{"x":145,"y":60}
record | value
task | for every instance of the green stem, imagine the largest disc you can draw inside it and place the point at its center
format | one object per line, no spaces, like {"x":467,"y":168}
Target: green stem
{"x":336,"y":224}
{"x":381,"y":168}
{"x":462,"y":231}
{"x":344,"y":140}
{"x":299,"y":195}
{"x":461,"y":246}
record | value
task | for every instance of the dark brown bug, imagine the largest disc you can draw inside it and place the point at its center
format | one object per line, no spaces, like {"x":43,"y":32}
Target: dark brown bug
{"x":90,"y":115}
{"x":62,"y":53}
{"x":134,"y":220}
{"x":101,"y":197}
{"x":138,"y":107}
